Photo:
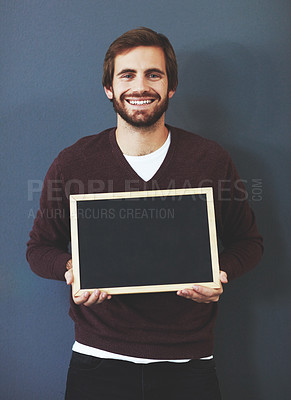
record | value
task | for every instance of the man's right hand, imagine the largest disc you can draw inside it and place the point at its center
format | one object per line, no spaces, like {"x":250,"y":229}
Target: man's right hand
{"x":87,"y":298}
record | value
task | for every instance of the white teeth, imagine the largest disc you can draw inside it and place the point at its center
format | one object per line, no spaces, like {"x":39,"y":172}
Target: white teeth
{"x":140,"y":102}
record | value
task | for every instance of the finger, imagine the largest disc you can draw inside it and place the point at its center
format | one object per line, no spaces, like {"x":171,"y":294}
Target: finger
{"x":192,"y":295}
{"x":97,"y":297}
{"x":207,"y":292}
{"x":69,"y":264}
{"x":200,"y":295}
{"x":188,"y":294}
{"x":94,"y":297}
{"x":81,"y":299}
{"x":88,"y":299}
{"x":69,"y":277}
{"x":223,"y":277}
{"x":103,"y":296}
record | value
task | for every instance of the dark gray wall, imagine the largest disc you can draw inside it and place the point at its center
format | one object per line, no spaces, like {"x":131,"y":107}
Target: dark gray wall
{"x":234,"y":58}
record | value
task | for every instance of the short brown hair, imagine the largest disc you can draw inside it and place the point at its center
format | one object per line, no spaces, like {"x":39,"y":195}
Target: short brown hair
{"x":140,"y":37}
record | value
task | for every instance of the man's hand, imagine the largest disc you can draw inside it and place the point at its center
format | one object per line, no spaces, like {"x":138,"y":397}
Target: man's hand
{"x":203,"y":294}
{"x":87,"y":298}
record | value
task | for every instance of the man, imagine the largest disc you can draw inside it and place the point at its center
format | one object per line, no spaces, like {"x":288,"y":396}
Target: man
{"x":145,"y":346}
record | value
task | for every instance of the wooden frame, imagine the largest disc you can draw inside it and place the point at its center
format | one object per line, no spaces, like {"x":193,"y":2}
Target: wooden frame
{"x":80,"y":222}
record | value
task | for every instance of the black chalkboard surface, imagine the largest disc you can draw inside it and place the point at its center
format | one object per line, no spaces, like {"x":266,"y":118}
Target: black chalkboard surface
{"x":151,"y":241}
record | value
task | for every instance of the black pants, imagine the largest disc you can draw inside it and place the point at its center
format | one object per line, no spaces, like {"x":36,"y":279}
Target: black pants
{"x":97,"y":378}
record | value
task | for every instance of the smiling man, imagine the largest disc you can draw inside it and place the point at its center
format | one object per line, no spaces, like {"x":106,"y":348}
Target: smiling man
{"x":145,"y":346}
{"x":140,"y":94}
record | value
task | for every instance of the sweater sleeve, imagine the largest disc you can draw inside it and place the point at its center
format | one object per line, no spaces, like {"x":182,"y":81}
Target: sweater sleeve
{"x":241,"y":241}
{"x":47,"y":249}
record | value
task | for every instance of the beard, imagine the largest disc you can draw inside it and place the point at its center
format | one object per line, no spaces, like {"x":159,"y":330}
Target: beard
{"x":141,"y":118}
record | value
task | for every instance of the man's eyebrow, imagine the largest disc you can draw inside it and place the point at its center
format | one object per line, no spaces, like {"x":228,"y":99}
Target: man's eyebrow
{"x":125,"y":71}
{"x":148,"y":71}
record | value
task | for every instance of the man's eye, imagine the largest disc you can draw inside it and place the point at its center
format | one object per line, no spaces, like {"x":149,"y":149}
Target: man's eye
{"x":127,"y":76}
{"x":154,"y":76}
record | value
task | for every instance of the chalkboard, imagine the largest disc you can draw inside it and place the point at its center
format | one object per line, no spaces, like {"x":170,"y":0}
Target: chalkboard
{"x":147,"y":241}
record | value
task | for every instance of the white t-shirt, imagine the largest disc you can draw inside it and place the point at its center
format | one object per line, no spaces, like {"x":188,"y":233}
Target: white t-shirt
{"x":146,"y":166}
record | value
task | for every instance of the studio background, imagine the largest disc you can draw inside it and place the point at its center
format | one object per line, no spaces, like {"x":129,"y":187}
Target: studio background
{"x":234,"y":88}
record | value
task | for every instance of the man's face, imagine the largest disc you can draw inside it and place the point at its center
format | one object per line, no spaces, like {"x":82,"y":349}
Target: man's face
{"x":140,"y":86}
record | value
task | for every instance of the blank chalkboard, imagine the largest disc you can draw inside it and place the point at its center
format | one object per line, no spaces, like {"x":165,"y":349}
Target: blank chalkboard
{"x":149,"y":241}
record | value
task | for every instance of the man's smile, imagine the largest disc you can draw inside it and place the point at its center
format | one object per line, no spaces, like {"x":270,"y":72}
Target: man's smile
{"x":140,"y":102}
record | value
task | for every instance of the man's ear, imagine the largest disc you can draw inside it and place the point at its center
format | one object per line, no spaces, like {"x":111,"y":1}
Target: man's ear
{"x":109,"y":92}
{"x":171,"y":93}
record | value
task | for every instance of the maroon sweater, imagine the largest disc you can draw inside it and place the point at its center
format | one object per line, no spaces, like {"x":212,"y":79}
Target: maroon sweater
{"x":159,"y":325}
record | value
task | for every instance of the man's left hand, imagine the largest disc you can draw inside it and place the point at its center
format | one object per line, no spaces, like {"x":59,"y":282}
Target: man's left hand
{"x":203,"y":294}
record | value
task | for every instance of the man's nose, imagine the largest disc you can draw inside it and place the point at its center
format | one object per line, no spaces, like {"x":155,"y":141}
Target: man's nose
{"x":140,"y":84}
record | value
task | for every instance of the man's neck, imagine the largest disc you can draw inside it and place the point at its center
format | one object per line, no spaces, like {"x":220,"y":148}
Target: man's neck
{"x":135,"y":141}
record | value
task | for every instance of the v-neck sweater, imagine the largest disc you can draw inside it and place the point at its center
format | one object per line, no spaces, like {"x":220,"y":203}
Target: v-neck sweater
{"x":154,"y":325}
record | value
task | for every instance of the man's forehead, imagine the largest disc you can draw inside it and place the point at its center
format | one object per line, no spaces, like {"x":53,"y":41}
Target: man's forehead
{"x":141,"y":57}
